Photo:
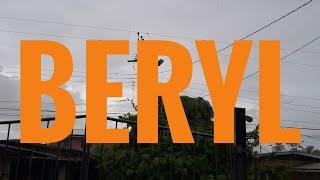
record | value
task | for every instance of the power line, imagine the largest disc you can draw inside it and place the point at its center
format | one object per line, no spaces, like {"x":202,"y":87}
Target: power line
{"x":291,"y":109}
{"x":281,"y":59}
{"x":265,"y":26}
{"x":73,"y":76}
{"x":133,"y":31}
{"x":293,"y":96}
{"x":74,"y":71}
{"x":286,"y":56}
{"x":304,"y":64}
{"x":95,"y":27}
{"x":45,"y":34}
{"x":281,"y":102}
{"x":256,"y":99}
{"x":75,"y":37}
{"x":72,"y":81}
{"x":311,"y":137}
{"x":118,"y":106}
{"x":294,"y":127}
{"x":304,"y":122}
{"x":303,"y":128}
{"x":295,"y":121}
{"x":18,"y":109}
{"x":260,"y":29}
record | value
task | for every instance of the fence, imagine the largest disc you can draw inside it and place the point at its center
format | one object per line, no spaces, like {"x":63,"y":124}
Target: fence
{"x":73,"y":158}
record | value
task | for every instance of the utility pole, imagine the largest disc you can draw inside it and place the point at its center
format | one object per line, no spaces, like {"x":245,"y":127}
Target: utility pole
{"x":239,"y":167}
{"x":141,"y":38}
{"x":85,"y":158}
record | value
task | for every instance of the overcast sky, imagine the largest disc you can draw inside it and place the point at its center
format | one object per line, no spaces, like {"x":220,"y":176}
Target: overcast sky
{"x":72,"y":22}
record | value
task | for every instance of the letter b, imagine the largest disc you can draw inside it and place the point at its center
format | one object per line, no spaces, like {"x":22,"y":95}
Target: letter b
{"x":31,"y":89}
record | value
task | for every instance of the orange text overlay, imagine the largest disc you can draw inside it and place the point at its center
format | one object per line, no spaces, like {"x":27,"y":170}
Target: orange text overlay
{"x":223,"y":91}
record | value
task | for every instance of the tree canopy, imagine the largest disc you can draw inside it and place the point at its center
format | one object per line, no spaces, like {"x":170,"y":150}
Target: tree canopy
{"x":203,"y":160}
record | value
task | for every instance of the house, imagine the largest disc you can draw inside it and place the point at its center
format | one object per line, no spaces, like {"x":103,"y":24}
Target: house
{"x":302,"y":165}
{"x":62,"y":161}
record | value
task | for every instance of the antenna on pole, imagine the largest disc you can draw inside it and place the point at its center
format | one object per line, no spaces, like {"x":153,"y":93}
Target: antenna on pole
{"x":141,"y":38}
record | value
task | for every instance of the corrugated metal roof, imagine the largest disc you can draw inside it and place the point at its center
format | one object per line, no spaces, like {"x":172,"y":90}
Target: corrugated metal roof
{"x":314,"y":167}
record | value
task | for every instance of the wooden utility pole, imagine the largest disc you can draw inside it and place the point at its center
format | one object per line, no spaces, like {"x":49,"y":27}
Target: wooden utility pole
{"x":239,"y":167}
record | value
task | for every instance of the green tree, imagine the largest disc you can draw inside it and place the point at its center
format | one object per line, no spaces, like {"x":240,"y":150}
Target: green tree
{"x":278,"y":147}
{"x":316,"y":152}
{"x":253,"y":139}
{"x":308,"y":149}
{"x":165,"y":160}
